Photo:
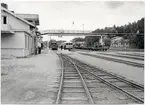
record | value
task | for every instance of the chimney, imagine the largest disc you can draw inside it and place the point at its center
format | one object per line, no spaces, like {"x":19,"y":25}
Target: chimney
{"x":4,"y":5}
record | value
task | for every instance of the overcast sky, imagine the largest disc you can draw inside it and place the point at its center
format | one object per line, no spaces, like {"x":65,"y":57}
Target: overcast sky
{"x":93,"y":14}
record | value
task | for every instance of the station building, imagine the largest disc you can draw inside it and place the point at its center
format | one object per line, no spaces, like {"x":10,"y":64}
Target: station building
{"x":19,"y":33}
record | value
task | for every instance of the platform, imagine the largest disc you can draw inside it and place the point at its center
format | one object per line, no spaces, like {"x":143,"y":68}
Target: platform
{"x":30,"y":80}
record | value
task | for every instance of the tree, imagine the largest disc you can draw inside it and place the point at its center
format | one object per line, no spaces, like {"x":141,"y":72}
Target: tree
{"x":140,"y":42}
{"x":140,"y":25}
{"x":136,"y":41}
{"x":107,"y":41}
{"x":90,"y":40}
{"x":78,"y":39}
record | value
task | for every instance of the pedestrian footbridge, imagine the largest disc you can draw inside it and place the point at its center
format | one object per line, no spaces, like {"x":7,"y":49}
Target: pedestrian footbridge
{"x":61,"y":32}
{"x":66,"y":32}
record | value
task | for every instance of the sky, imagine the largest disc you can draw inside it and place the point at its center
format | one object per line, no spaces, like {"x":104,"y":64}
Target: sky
{"x":87,"y":15}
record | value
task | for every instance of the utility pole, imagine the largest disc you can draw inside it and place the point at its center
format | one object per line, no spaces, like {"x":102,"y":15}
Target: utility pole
{"x":73,"y":25}
{"x":83,"y":28}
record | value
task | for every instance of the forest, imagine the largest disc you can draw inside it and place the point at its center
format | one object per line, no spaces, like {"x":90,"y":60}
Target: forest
{"x":135,"y":40}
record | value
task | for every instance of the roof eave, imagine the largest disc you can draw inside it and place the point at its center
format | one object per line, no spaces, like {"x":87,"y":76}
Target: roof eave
{"x":17,"y":16}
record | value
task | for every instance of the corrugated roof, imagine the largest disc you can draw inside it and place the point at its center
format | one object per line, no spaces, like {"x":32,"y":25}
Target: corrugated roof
{"x":13,"y":14}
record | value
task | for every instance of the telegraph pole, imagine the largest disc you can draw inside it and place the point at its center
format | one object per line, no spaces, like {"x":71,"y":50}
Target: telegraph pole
{"x":83,"y":27}
{"x":73,"y":25}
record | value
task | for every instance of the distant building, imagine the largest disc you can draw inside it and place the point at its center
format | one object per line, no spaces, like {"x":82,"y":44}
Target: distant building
{"x":119,"y":42}
{"x":18,"y":33}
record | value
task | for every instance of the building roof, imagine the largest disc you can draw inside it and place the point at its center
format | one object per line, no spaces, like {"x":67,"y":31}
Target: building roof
{"x":7,"y":32}
{"x":16,"y":16}
{"x":30,"y":17}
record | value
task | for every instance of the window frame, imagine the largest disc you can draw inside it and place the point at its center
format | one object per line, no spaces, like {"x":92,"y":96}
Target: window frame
{"x":4,"y":19}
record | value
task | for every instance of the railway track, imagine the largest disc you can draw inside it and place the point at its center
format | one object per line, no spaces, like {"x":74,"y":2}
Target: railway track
{"x":116,"y":60}
{"x":72,"y":86}
{"x":123,"y":56}
{"x":133,"y":54}
{"x":83,"y":84}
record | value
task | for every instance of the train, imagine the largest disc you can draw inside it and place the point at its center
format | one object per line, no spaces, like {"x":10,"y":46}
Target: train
{"x":101,"y":48}
{"x":96,"y":47}
{"x":53,"y":45}
{"x":67,"y":45}
{"x":70,"y":45}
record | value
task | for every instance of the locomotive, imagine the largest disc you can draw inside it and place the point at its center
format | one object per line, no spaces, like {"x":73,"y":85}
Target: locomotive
{"x":53,"y":45}
{"x":67,"y":45}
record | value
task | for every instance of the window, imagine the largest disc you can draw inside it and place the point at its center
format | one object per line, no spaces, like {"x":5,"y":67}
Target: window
{"x":25,"y":41}
{"x":4,"y":19}
{"x":28,"y":41}
{"x":30,"y":21}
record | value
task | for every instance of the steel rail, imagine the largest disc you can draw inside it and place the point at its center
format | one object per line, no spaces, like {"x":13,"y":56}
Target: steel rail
{"x":115,"y":75}
{"x":126,"y":81}
{"x":119,"y":77}
{"x":85,"y":86}
{"x":61,"y":82}
{"x":83,"y":82}
{"x":112,"y":85}
{"x":123,"y":56}
{"x":136,"y":55}
{"x":141,"y":87}
{"x":116,"y":60}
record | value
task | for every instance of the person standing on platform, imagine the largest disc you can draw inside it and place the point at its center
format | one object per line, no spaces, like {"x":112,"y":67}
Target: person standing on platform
{"x":39,"y":48}
{"x":61,"y":47}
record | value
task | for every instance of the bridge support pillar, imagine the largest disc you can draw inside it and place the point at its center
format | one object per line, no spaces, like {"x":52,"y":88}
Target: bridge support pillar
{"x":101,"y":40}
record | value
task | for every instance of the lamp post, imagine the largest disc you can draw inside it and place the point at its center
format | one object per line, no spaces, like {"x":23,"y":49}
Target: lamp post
{"x":83,"y":28}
